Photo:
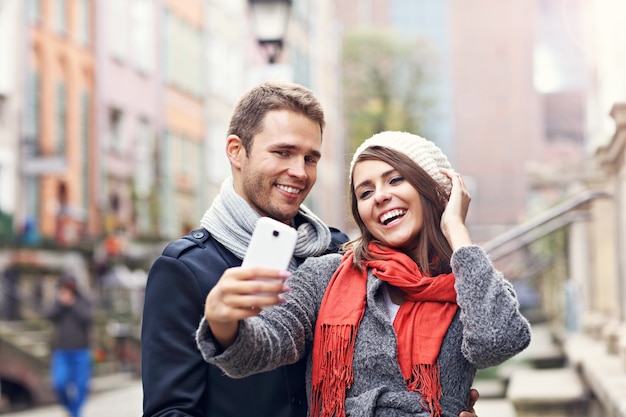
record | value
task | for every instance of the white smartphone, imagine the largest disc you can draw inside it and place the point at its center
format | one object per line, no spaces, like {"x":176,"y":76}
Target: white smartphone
{"x":271,"y":246}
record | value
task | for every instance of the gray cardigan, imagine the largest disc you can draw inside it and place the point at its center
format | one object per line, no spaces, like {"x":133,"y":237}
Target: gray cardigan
{"x":488,"y":329}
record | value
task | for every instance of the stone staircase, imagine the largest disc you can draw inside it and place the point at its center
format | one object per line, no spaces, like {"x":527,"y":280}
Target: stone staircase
{"x":24,"y":367}
{"x":33,"y":340}
{"x":537,"y":382}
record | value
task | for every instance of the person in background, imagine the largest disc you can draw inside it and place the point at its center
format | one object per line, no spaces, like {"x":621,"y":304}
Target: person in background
{"x":398,"y":324}
{"x":71,"y":365}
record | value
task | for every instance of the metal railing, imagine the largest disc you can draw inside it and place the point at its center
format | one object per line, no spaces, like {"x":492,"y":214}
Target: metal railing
{"x":552,"y":219}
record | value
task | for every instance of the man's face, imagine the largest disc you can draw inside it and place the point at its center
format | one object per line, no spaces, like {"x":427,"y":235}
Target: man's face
{"x":281,"y":167}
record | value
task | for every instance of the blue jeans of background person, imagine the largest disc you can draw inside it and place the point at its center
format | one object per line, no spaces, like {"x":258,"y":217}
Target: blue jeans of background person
{"x":71,"y":373}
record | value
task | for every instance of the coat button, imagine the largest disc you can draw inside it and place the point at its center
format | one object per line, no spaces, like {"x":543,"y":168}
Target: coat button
{"x":297,"y":401}
{"x":198,"y":235}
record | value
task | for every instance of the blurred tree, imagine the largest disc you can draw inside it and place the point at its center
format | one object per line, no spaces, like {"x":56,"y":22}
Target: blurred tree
{"x":384,"y":76}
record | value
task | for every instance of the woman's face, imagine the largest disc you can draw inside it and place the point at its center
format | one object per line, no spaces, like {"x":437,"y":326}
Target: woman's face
{"x":388,"y":204}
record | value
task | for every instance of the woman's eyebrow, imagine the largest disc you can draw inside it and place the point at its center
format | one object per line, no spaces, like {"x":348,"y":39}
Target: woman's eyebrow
{"x":383,"y":175}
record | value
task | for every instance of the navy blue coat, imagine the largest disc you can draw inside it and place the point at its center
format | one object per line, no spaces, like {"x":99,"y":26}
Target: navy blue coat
{"x":176,"y":380}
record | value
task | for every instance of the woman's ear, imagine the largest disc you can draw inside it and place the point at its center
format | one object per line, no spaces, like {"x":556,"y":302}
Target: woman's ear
{"x":234,"y":150}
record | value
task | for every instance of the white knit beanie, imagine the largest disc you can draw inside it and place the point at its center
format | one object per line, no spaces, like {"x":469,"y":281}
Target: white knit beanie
{"x":425,"y":153}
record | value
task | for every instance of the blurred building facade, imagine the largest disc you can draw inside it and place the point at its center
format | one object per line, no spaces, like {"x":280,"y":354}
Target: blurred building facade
{"x":11,"y":102}
{"x":310,"y":57}
{"x":121,"y":129}
{"x":487,"y":114}
{"x":229,"y":45}
{"x":113,"y":121}
{"x":600,"y":337}
{"x":57,"y":137}
{"x":181,"y":157}
{"x":129,"y":119}
{"x":314,"y":53}
{"x":496,"y":114}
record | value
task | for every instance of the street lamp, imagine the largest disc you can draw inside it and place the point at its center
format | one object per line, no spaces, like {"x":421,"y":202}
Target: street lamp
{"x":270,"y":18}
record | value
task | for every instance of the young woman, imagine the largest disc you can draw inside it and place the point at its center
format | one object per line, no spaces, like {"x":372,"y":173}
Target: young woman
{"x":398,"y":325}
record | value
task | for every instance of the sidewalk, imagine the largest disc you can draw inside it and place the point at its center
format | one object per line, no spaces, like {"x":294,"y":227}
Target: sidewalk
{"x":494,"y":408}
{"x":118,"y":395}
{"x":125,"y":401}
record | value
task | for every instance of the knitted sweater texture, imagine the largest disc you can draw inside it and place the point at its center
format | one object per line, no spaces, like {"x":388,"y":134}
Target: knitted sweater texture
{"x":487,"y":330}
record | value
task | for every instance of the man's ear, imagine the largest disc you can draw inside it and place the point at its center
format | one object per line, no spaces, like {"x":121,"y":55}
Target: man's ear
{"x":235,"y":150}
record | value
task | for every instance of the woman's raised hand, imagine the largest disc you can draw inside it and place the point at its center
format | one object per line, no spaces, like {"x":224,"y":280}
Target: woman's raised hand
{"x":453,"y":217}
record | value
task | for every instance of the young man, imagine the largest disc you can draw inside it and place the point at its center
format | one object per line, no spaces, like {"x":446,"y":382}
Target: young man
{"x":273,"y":145}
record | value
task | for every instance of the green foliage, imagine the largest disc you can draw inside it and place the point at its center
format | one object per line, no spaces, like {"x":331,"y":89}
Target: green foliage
{"x":384,"y":79}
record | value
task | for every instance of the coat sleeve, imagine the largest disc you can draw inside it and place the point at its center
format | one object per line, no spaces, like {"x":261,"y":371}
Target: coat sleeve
{"x":173,"y":373}
{"x":494,"y":330}
{"x":280,"y":335}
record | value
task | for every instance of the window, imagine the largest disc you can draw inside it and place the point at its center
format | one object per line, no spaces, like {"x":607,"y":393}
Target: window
{"x":83,"y":23}
{"x":61,"y":118}
{"x":85,"y":127}
{"x":169,"y":47}
{"x":32,"y":198}
{"x":115,"y":129}
{"x":142,"y":36}
{"x":3,"y":108}
{"x":60,"y":16}
{"x":184,"y":53}
{"x":186,"y":152}
{"x":144,"y":176}
{"x":34,"y":10}
{"x":302,"y":67}
{"x":166,"y":192}
{"x":117,"y":19}
{"x":32,"y":117}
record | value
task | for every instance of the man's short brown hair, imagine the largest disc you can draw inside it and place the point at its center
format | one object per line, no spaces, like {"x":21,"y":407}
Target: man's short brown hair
{"x":247,"y":119}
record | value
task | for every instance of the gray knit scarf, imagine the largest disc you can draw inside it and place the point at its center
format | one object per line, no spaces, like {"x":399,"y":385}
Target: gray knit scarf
{"x":231,"y":221}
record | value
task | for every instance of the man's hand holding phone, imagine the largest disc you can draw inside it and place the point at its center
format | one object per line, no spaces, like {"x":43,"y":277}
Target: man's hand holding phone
{"x":271,"y":246}
{"x":243,"y":291}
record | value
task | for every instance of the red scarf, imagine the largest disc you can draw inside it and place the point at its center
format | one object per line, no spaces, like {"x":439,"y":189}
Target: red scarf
{"x":421,"y":324}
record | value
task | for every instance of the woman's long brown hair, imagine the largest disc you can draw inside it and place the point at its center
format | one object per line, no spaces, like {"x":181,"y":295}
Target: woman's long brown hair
{"x":433,"y":250}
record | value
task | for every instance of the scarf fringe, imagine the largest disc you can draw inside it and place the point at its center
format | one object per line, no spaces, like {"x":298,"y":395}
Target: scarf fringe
{"x":333,"y":375}
{"x":426,"y":380}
